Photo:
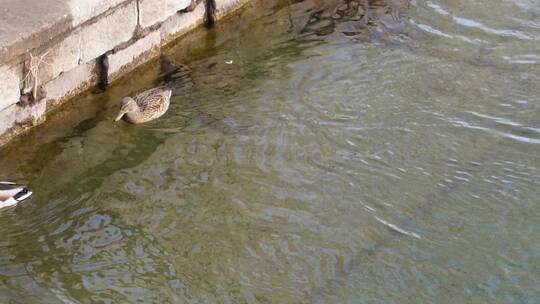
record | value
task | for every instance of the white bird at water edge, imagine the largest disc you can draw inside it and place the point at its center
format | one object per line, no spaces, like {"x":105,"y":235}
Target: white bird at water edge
{"x":11,"y":194}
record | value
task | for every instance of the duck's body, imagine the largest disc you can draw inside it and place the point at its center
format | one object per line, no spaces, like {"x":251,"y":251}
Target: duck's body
{"x":146,"y":106}
{"x":11,"y":194}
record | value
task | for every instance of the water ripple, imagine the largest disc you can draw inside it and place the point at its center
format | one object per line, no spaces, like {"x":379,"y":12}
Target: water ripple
{"x":355,"y":151}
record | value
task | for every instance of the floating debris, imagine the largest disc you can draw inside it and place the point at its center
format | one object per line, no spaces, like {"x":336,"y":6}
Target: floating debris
{"x":397,"y":229}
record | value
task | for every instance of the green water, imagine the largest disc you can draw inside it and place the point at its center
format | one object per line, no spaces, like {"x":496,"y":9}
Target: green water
{"x":330,"y":162}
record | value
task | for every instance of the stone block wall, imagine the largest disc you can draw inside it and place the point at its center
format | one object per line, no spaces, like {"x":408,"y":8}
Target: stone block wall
{"x":67,"y":41}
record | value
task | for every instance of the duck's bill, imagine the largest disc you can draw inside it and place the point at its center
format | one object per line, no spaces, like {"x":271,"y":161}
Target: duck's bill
{"x":119,"y":116}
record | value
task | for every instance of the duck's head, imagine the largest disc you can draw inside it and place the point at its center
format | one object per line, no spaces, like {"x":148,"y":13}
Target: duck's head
{"x":128,"y":105}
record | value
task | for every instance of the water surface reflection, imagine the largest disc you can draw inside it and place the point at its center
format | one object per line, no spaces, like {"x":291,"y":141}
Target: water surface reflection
{"x":352,"y":152}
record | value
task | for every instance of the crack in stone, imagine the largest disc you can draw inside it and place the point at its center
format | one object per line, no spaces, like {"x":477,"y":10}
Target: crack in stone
{"x":138,"y":14}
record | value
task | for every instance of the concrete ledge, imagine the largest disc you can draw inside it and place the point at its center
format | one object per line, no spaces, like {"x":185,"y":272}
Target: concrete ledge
{"x":16,"y":119}
{"x":27,"y":24}
{"x":180,"y":24}
{"x":84,"y":10}
{"x":66,"y":38}
{"x":132,"y":54}
{"x":9,"y":85}
{"x":156,"y":11}
{"x":69,"y":84}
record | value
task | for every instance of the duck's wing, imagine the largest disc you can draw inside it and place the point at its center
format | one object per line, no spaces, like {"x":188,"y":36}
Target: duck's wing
{"x":4,"y":186}
{"x":153,"y":98}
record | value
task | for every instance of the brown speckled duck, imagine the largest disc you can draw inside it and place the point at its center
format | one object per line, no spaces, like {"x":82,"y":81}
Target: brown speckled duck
{"x":146,"y":106}
{"x":11,"y":194}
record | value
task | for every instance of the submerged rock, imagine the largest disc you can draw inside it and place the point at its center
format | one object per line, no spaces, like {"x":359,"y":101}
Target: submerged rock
{"x":343,"y":7}
{"x":350,"y":27}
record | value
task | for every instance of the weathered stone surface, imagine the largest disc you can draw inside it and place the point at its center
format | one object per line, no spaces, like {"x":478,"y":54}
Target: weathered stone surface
{"x":84,"y":10}
{"x":108,"y":32}
{"x":132,"y":54}
{"x":9,"y":86}
{"x":89,"y":42}
{"x":26,"y":24}
{"x":69,"y":83}
{"x":15,"y":119}
{"x":181,"y":23}
{"x":62,"y":57}
{"x":226,"y":5}
{"x":154,"y":11}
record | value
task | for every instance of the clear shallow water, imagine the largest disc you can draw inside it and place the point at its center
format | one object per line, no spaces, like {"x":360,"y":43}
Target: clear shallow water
{"x":329,"y":163}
